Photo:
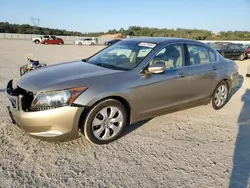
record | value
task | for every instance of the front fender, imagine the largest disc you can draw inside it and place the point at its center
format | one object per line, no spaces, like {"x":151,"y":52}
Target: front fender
{"x":88,"y":98}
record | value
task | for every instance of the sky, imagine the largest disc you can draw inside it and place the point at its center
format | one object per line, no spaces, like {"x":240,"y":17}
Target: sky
{"x":102,"y":15}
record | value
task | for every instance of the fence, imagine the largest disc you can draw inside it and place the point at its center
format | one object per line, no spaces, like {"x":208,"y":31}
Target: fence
{"x":101,"y":40}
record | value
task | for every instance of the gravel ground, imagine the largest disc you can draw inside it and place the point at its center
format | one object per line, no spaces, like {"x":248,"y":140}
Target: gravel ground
{"x":198,"y":147}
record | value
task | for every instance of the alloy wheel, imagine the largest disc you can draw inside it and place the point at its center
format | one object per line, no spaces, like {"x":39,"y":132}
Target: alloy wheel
{"x":221,"y":95}
{"x":107,"y":123}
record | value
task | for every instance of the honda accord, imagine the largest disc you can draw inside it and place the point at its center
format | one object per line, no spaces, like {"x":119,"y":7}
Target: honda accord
{"x":130,"y":81}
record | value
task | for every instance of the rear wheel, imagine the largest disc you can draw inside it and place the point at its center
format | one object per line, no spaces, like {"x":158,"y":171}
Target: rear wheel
{"x":241,"y":57}
{"x":45,"y":42}
{"x":105,"y":121}
{"x":220,"y":95}
{"x":37,"y":41}
{"x":79,"y":43}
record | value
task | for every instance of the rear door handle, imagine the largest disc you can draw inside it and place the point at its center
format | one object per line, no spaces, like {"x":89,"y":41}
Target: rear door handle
{"x":182,"y":74}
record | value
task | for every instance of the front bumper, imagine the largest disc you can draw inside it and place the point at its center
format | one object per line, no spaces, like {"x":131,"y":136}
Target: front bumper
{"x":57,"y":124}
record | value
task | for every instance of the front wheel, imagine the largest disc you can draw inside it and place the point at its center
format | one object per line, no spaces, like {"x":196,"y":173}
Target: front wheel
{"x":105,"y":121}
{"x":220,"y":95}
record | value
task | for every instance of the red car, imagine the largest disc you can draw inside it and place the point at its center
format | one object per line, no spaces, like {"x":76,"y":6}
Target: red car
{"x":53,"y":40}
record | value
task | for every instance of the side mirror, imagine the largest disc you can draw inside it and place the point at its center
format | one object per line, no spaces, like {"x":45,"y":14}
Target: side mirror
{"x":157,"y":68}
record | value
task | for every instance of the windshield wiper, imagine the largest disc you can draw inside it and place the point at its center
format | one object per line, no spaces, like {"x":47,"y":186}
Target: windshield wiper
{"x":110,"y":66}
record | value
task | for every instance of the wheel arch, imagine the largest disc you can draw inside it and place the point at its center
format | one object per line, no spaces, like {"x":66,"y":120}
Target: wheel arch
{"x":121,"y":99}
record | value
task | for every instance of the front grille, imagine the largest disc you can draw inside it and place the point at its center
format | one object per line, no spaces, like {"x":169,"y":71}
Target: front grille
{"x":76,"y":105}
{"x":36,"y":109}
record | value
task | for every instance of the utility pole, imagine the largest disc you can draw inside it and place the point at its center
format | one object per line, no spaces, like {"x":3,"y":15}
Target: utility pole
{"x":35,"y":23}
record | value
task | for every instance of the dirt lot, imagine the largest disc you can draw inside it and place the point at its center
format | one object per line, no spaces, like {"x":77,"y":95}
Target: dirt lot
{"x":198,"y":147}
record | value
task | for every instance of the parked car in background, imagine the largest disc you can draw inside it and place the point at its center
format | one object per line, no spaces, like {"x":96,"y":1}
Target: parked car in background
{"x":111,"y":42}
{"x":247,"y":47}
{"x":38,"y":40}
{"x":230,"y":50}
{"x":52,"y":40}
{"x":130,"y":81}
{"x":86,"y":41}
{"x":248,"y":51}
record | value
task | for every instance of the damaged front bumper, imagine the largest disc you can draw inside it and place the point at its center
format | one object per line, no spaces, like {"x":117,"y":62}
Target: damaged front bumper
{"x":57,"y":124}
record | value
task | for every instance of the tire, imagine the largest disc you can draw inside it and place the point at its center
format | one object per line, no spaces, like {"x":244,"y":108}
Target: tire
{"x":37,"y":41}
{"x":241,"y":57}
{"x":220,"y":99}
{"x":96,"y":132}
{"x":92,"y":44}
{"x":79,"y":43}
{"x":45,"y":43}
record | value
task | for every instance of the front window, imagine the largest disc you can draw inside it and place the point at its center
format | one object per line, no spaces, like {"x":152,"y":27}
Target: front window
{"x":171,"y":56}
{"x":122,"y":56}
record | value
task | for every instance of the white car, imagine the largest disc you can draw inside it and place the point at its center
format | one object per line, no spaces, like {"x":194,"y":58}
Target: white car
{"x":38,"y":40}
{"x":86,"y":41}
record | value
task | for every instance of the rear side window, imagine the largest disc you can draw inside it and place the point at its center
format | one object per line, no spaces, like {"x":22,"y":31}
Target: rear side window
{"x":237,"y":47}
{"x":199,"y":55}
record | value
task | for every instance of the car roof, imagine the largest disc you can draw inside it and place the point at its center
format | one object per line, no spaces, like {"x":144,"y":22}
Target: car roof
{"x":159,"y":40}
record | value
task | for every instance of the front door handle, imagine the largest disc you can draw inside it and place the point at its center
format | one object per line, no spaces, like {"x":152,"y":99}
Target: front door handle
{"x":215,"y":67}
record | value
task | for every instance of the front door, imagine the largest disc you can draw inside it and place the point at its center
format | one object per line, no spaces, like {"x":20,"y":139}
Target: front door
{"x":159,"y":92}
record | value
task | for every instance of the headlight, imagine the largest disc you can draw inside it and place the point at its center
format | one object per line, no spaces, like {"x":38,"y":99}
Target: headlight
{"x":57,"y":98}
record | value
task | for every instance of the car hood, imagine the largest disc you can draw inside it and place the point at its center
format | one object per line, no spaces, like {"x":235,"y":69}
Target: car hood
{"x":61,"y":76}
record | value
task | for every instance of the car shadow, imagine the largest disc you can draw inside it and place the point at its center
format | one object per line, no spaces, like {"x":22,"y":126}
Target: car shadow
{"x":241,"y":159}
{"x":130,"y":128}
{"x":241,"y":80}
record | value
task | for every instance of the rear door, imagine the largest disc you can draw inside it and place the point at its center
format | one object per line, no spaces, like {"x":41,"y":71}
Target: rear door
{"x":229,"y":52}
{"x":203,"y":71}
{"x":238,"y":50}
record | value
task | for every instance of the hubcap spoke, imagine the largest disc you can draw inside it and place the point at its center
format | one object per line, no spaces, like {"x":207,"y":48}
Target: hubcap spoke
{"x":113,"y":112}
{"x":114,"y":128}
{"x":104,"y":113}
{"x":97,"y":121}
{"x":106,"y":134}
{"x":99,"y":131}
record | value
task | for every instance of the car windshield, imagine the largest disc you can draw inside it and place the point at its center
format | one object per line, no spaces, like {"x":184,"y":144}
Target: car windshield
{"x":124,"y":55}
